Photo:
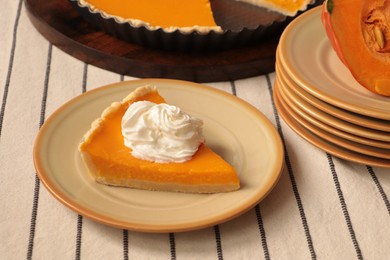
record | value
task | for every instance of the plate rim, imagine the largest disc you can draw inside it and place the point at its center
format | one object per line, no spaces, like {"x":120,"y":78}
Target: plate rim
{"x":329,"y":120}
{"x":304,"y":120}
{"x":259,"y":195}
{"x":369,"y":122}
{"x":324,"y":145}
{"x":332,"y":130}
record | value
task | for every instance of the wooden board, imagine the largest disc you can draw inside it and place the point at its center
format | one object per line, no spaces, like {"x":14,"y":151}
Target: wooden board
{"x":61,"y":25}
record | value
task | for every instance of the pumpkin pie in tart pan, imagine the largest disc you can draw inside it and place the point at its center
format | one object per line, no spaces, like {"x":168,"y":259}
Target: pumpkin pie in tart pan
{"x":191,"y":25}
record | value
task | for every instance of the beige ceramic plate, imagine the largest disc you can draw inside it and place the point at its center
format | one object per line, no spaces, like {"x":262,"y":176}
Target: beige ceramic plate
{"x":308,"y":58}
{"x":245,"y":138}
{"x":365,"y":121}
{"x":379,"y":137}
{"x":321,"y":143}
{"x":317,"y":128}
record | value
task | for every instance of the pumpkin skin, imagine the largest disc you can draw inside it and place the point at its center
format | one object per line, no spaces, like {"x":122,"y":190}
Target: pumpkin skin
{"x":359,"y":31}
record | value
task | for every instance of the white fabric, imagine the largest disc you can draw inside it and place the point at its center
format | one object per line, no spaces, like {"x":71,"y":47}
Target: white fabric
{"x":315,"y":211}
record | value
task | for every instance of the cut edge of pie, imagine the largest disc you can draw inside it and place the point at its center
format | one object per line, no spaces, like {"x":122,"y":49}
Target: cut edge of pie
{"x":288,"y":8}
{"x":206,"y":172}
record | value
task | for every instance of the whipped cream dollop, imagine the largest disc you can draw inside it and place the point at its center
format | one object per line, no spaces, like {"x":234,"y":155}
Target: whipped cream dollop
{"x":160,"y":132}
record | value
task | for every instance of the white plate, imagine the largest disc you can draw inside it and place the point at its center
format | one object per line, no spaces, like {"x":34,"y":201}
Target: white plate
{"x":330,"y":147}
{"x":234,"y":129}
{"x":309,"y":59}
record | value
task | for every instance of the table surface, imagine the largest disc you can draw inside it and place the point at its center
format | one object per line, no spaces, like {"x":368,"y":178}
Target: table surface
{"x":322,"y":207}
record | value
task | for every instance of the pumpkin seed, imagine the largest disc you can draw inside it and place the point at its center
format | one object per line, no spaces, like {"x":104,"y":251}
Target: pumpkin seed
{"x":380,"y":39}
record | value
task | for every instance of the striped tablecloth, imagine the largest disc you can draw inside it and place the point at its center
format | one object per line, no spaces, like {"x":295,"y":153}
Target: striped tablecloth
{"x":322,"y":207}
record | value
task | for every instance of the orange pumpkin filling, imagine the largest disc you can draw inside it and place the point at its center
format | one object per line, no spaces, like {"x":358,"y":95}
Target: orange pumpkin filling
{"x":168,"y":13}
{"x":110,"y":161}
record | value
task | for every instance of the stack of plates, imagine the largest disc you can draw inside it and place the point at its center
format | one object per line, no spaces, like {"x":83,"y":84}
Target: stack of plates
{"x":320,"y":100}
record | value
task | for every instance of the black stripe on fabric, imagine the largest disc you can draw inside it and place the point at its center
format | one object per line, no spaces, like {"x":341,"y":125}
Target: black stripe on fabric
{"x":344,"y":206}
{"x":10,"y":65}
{"x":33,"y":219}
{"x":125,"y":244}
{"x":37,"y":182}
{"x":78,"y":237}
{"x":172,"y":244}
{"x":380,"y":188}
{"x":233,"y":86}
{"x":79,"y":217}
{"x":262,"y":232}
{"x":85,"y":77}
{"x":291,"y":175}
{"x":218,"y":242}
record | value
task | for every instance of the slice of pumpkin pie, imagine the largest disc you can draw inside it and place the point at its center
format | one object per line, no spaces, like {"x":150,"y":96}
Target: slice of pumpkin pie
{"x":142,"y":142}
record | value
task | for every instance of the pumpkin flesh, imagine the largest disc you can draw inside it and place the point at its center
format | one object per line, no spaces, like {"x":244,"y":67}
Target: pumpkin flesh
{"x":359,"y":31}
